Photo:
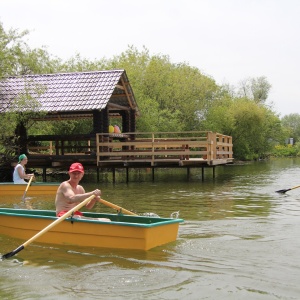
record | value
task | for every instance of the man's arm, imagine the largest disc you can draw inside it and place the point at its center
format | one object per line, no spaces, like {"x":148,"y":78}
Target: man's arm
{"x":81,"y":195}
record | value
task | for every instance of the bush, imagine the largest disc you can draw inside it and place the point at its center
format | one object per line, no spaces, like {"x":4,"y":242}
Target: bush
{"x":285,"y":150}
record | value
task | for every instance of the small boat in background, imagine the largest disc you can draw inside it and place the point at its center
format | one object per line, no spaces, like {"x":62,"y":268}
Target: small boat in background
{"x":35,"y":189}
{"x":123,"y":232}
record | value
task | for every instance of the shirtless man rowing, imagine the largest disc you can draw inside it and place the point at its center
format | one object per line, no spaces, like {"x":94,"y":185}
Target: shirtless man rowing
{"x":70,"y":193}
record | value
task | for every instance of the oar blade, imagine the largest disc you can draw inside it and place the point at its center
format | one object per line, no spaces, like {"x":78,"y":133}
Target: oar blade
{"x":12,"y":253}
{"x":283,"y":191}
{"x":23,"y":198}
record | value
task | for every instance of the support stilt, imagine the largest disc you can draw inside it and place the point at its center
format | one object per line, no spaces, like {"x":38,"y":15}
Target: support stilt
{"x":188,"y":173}
{"x":114,"y":175}
{"x":44,"y":174}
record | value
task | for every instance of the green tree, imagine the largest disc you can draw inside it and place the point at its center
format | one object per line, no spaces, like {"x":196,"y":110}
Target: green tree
{"x":16,"y":58}
{"x":291,"y":123}
{"x":255,"y":129}
{"x":256,"y":89}
{"x":171,"y":97}
{"x":11,"y":44}
{"x":175,"y":94}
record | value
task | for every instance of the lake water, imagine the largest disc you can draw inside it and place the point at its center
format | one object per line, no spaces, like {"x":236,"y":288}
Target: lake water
{"x":240,"y":240}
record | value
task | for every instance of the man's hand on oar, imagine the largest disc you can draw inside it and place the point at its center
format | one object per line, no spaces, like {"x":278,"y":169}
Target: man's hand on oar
{"x":286,"y":190}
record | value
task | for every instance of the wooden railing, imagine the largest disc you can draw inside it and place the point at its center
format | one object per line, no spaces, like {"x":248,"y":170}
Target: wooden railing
{"x":61,"y":144}
{"x":139,"y":147}
{"x":153,"y":147}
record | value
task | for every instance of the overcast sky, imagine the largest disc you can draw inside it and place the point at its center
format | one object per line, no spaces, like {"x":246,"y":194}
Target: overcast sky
{"x":228,"y":40}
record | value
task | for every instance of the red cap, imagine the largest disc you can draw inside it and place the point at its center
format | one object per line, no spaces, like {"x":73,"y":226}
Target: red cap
{"x":76,"y":167}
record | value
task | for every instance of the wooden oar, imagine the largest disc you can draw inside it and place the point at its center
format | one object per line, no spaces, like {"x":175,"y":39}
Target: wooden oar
{"x":57,"y":221}
{"x":28,"y":184}
{"x":283,"y":191}
{"x":116,"y":207}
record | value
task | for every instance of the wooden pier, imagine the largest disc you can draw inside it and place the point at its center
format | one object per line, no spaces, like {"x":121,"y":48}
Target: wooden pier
{"x":195,"y":149}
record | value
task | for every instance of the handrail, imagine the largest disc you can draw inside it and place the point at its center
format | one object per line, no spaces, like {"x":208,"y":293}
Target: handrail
{"x":207,"y":146}
{"x":148,"y":146}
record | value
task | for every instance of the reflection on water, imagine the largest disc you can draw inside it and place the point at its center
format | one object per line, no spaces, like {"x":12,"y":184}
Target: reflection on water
{"x":240,"y":240}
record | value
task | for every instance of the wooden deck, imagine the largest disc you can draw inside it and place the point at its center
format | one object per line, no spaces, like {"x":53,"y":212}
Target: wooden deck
{"x":131,"y":150}
{"x":163,"y":149}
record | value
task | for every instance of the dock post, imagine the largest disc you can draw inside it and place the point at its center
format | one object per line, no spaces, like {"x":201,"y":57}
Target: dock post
{"x":98,"y":176}
{"x":202,"y":169}
{"x":114,"y":175}
{"x":44,"y":174}
{"x":188,"y":173}
{"x":127,"y":175}
{"x":153,"y":174}
{"x":214,"y":172}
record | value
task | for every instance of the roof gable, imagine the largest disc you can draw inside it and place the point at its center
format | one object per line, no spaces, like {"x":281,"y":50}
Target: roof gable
{"x":69,"y":92}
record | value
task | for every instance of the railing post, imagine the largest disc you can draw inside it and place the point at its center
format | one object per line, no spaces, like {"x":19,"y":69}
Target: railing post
{"x":97,"y":149}
{"x":230,"y":148}
{"x":62,"y":147}
{"x":212,"y":146}
{"x":57,"y":147}
{"x":152,"y":157}
{"x":50,"y":148}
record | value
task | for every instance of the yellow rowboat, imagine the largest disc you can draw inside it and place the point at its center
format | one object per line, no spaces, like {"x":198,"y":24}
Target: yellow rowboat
{"x":123,"y":232}
{"x":35,"y":189}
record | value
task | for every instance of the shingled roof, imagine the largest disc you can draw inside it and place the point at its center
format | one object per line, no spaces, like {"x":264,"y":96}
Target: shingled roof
{"x":65,"y":93}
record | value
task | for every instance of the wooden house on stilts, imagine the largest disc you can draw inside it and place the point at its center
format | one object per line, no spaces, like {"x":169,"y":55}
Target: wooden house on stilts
{"x":101,"y":96}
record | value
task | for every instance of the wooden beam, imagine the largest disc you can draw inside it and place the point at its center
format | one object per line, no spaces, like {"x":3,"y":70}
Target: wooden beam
{"x":127,"y":94}
{"x":120,"y":95}
{"x":120,"y":87}
{"x":116,"y":106}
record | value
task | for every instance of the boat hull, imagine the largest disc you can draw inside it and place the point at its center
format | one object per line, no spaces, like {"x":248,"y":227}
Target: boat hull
{"x":123,"y":232}
{"x":35,"y":189}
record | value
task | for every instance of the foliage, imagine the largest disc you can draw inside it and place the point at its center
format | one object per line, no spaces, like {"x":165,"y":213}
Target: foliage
{"x":254,"y":128}
{"x":170,"y":96}
{"x":69,"y":127}
{"x":291,"y":123}
{"x":256,"y":89}
{"x":173,"y":93}
{"x":11,"y":44}
{"x":285,"y":150}
{"x":16,"y":58}
{"x":154,"y":119}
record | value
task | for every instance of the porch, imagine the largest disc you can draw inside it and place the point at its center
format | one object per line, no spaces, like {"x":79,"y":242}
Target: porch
{"x":197,"y":149}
